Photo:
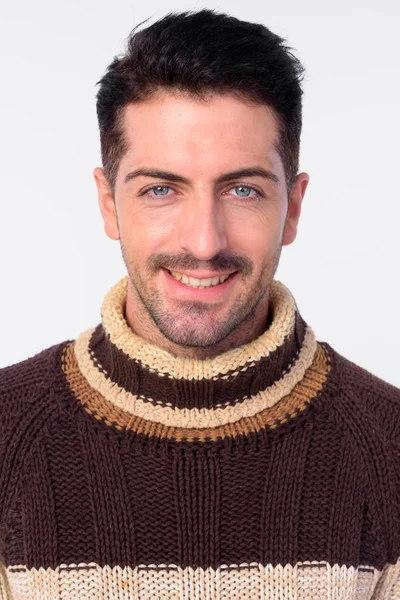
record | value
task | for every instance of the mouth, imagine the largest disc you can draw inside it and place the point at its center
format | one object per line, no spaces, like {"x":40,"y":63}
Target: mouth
{"x":207,"y":288}
{"x":200,"y":283}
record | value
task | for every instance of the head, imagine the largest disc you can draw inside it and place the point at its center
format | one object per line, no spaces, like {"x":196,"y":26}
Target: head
{"x":200,"y":126}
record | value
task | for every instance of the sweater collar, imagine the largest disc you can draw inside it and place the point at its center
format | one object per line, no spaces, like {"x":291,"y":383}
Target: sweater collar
{"x":151,"y":383}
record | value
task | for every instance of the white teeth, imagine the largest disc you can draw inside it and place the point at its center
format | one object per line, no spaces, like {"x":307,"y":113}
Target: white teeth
{"x":198,"y":283}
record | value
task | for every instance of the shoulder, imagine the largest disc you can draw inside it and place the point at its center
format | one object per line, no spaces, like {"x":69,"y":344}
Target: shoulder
{"x":27,"y":402}
{"x":25,"y":381}
{"x":368,"y":409}
{"x":374,"y":399}
{"x":27,"y":385}
{"x":30,"y":371}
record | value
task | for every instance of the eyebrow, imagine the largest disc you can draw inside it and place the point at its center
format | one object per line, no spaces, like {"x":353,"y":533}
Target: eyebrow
{"x":238,"y":174}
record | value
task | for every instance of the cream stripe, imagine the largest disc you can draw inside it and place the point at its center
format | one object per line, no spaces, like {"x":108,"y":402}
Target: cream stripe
{"x":122,"y":336}
{"x":313,"y":580}
{"x":198,"y":418}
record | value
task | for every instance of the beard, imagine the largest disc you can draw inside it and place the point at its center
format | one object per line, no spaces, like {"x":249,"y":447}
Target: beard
{"x":198,"y":324}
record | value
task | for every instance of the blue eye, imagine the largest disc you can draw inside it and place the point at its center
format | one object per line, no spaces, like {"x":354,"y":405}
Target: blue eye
{"x":244,"y":191}
{"x":244,"y":187}
{"x":159,"y":187}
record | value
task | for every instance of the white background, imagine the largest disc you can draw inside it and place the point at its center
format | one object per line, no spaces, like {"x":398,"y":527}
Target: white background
{"x":56,"y":261}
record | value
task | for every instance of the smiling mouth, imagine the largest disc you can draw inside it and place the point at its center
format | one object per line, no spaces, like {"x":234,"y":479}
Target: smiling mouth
{"x":199,"y":283}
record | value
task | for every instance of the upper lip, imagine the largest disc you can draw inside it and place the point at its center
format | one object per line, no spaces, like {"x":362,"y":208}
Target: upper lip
{"x":201,"y":274}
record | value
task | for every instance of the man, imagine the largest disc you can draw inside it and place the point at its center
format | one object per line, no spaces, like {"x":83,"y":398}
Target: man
{"x":199,"y":442}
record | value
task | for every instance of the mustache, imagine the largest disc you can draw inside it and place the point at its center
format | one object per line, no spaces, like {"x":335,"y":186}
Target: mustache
{"x":220,"y":262}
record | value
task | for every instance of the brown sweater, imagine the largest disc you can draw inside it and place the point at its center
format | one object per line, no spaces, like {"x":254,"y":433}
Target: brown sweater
{"x":270,"y":471}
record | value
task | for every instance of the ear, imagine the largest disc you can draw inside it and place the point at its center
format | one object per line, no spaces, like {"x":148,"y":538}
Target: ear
{"x":295,"y":200}
{"x":107,"y":204}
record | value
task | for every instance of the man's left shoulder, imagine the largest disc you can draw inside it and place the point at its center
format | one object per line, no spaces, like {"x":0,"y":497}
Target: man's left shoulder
{"x":376,"y":398}
{"x":369,"y":409}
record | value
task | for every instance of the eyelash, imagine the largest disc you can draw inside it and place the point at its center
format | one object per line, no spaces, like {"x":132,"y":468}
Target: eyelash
{"x":251,"y":187}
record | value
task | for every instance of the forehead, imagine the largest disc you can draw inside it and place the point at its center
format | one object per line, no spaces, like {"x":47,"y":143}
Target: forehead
{"x":182,"y":129}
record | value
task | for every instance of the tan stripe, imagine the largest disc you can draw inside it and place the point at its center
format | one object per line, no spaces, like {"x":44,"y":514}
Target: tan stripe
{"x":5,"y":592}
{"x":289,"y":406}
{"x":195,"y":417}
{"x":313,"y":580}
{"x":160,"y":361}
{"x":388,"y":586}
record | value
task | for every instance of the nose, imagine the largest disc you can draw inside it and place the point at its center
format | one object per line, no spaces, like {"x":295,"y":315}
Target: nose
{"x":202,"y":227}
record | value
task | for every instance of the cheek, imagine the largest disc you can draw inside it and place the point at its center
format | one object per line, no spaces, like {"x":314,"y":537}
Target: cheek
{"x":258,"y":235}
{"x":146,"y":230}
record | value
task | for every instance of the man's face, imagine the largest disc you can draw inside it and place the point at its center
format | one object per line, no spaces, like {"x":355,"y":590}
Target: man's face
{"x":201,"y":244}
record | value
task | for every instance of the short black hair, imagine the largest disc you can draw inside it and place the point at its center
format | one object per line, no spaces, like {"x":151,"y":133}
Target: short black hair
{"x":201,"y":52}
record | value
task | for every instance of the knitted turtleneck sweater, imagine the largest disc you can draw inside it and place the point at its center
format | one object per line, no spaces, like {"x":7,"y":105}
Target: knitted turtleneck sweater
{"x":270,"y":471}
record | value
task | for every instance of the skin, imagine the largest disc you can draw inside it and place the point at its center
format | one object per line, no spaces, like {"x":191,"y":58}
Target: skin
{"x":201,"y":227}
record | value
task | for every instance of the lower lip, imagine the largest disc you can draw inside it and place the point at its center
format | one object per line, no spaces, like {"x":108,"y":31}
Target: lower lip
{"x":214,"y":292}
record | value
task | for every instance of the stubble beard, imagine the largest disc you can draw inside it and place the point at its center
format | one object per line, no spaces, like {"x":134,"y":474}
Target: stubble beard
{"x":191,"y":324}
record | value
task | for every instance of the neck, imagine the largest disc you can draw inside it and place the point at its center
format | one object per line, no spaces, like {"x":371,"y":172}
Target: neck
{"x":141,"y":323}
{"x":119,"y":374}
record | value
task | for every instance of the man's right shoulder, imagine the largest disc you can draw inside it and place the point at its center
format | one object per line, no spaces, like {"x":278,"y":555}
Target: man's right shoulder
{"x":28,"y":403}
{"x":23,"y":381}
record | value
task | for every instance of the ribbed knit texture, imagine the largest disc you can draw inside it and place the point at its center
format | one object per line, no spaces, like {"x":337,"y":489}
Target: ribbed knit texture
{"x":269,"y":472}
